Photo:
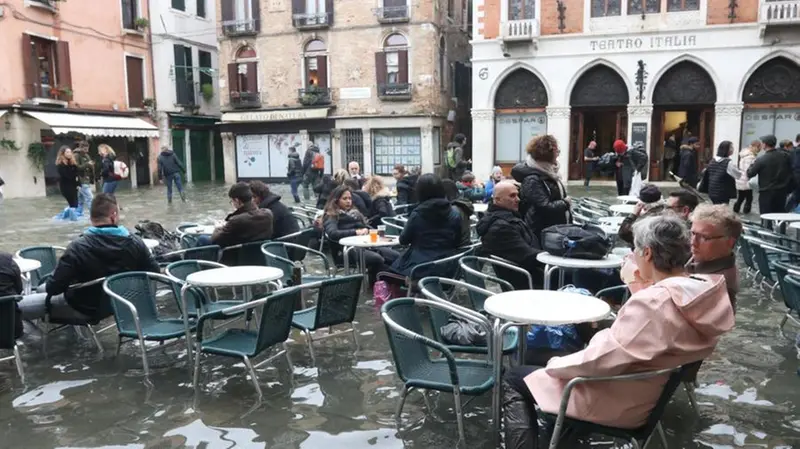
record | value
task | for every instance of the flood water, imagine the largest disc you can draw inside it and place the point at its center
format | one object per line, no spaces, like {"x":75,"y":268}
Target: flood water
{"x":76,"y":398}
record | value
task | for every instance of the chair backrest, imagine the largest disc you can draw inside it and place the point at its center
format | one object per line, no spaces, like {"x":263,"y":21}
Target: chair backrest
{"x":394,"y":225}
{"x":760,"y":257}
{"x":791,"y":296}
{"x":337,"y":300}
{"x":180,"y":271}
{"x":8,"y":322}
{"x":672,"y":384}
{"x":276,"y":318}
{"x":410,"y":353}
{"x":210,"y":253}
{"x":434,"y":289}
{"x":302,"y":237}
{"x":182,"y":227}
{"x":46,"y":255}
{"x":244,"y":254}
{"x":472,"y":272}
{"x":188,"y":241}
{"x":747,"y":253}
{"x":133,"y":288}
{"x":278,"y":257}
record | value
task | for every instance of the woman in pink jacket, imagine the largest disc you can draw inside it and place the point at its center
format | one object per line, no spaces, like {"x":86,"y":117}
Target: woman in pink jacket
{"x":675,"y":321}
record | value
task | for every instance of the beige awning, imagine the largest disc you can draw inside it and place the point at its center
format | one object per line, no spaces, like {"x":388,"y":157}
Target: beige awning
{"x":95,"y":125}
{"x":2,"y":113}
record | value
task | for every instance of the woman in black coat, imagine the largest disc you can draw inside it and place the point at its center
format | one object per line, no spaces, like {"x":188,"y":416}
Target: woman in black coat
{"x":381,"y":200}
{"x":543,"y":197}
{"x":343,"y":220}
{"x":68,"y":175}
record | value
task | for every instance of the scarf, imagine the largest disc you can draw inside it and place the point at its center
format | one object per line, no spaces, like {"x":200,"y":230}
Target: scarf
{"x":551,"y":170}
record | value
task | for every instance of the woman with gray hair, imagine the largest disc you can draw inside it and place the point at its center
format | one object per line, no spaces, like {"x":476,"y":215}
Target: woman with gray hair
{"x":674,"y":322}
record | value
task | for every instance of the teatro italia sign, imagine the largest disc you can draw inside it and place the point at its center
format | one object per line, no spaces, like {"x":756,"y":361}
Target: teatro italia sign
{"x":660,"y":42}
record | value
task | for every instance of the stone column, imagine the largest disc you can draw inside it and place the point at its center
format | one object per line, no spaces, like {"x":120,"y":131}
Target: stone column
{"x":229,"y":153}
{"x":426,"y":148}
{"x":187,"y":145}
{"x":641,"y":113}
{"x":728,"y":126}
{"x":337,"y":158}
{"x":366,"y":135}
{"x":482,"y":143}
{"x":558,"y":122}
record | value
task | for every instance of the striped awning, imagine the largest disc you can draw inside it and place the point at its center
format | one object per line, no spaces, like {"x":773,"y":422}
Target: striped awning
{"x":95,"y":125}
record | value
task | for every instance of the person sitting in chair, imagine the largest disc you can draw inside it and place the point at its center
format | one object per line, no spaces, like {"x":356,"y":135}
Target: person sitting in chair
{"x":246,"y":224}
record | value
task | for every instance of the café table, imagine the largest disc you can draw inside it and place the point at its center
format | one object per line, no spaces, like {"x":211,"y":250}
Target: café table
{"x":151,"y":244}
{"x":240,"y":276}
{"x":622,"y":209}
{"x":26,"y":266}
{"x":551,"y":263}
{"x":628,"y":199}
{"x":480,"y":208}
{"x":200,"y":230}
{"x":522,"y":308}
{"x":364,"y":242}
{"x":780,"y":219}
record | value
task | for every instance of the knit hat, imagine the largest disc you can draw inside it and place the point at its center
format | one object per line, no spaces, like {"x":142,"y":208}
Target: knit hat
{"x":649,"y":194}
{"x":496,"y":169}
{"x":620,"y":146}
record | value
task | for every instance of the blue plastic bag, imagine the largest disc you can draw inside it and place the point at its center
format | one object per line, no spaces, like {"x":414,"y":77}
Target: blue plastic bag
{"x":559,"y":338}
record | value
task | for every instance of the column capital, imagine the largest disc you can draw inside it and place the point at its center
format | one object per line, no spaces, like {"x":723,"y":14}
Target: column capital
{"x":555,"y":112}
{"x":482,"y":114}
{"x":640,"y":110}
{"x":729,"y":109}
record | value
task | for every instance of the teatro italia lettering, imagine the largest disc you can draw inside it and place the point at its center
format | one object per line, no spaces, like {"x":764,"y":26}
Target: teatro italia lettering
{"x":644,"y":43}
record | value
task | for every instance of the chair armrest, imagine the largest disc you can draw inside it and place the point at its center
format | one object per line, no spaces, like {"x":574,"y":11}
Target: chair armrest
{"x":440,"y":261}
{"x":487,"y":277}
{"x":508,"y":265}
{"x":316,"y":253}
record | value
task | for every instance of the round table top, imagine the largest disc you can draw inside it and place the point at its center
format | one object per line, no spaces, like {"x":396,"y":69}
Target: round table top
{"x":480,"y":207}
{"x":362,"y":241}
{"x":795,"y":225}
{"x":626,"y":209}
{"x":27,"y":265}
{"x":151,"y":243}
{"x":625,"y":199}
{"x":204,"y":229}
{"x":616,"y":221}
{"x":622,"y":252}
{"x":785,"y":216}
{"x":545,"y":307}
{"x":234,"y":276}
{"x":609,"y":229}
{"x":610,"y":261}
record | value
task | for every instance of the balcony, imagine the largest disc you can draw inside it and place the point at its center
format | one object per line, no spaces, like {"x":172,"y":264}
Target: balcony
{"x":392,"y":14}
{"x":520,"y":30}
{"x":245,"y":100}
{"x":394,"y":91}
{"x":312,"y":21}
{"x":780,"y":13}
{"x":232,"y":28}
{"x":314,"y":96}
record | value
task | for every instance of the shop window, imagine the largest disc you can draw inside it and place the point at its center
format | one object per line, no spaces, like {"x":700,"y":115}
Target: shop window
{"x":396,"y":146}
{"x":683,"y":5}
{"x":781,"y":123}
{"x":606,"y":8}
{"x":514,"y":131}
{"x":521,"y":9}
{"x":644,"y":7}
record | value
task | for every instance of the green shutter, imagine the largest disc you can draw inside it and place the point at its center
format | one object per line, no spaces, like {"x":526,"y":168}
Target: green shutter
{"x":179,"y":4}
{"x":201,"y":8}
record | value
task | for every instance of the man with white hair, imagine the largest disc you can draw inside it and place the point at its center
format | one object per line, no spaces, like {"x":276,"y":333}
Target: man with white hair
{"x":355,"y":173}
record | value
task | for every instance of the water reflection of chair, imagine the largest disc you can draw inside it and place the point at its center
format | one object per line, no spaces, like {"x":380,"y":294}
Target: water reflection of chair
{"x":46,"y":255}
{"x":277,"y":254}
{"x":7,"y":329}
{"x":133,"y":298}
{"x":639,"y":437}
{"x":274,"y":328}
{"x":411,"y":353}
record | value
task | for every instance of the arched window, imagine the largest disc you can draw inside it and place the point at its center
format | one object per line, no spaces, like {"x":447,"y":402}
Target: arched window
{"x":391,"y":64}
{"x":316,"y":64}
{"x":245,"y":52}
{"x":243,"y":79}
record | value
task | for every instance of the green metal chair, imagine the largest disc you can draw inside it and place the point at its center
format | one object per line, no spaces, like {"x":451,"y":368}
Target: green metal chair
{"x":46,"y":255}
{"x":472,"y":272}
{"x":274,"y":328}
{"x":52,"y":324}
{"x":133,"y":298}
{"x":244,"y":254}
{"x":211,"y":253}
{"x":277,"y":254}
{"x":196,"y":297}
{"x":446,"y":267}
{"x":394,"y":225}
{"x":8,"y":315}
{"x":337,"y":299}
{"x":181,"y":228}
{"x":791,"y":297}
{"x":411,"y":352}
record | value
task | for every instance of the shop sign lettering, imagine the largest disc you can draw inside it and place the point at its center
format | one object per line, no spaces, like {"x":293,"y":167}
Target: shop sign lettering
{"x":643,"y":43}
{"x":757,"y":116}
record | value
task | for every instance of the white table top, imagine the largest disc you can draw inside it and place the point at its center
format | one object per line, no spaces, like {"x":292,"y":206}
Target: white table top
{"x":626,"y":209}
{"x":545,"y":307}
{"x":781,"y":217}
{"x":610,"y":261}
{"x":151,"y":243}
{"x":616,"y":221}
{"x":609,"y":229}
{"x":622,"y":252}
{"x":362,"y":241}
{"x":625,"y":199}
{"x":205,"y":229}
{"x":795,"y":225}
{"x":480,"y":207}
{"x":234,"y":276}
{"x":27,"y":265}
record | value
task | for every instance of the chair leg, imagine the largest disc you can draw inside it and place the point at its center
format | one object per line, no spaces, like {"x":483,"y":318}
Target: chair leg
{"x":355,"y":335}
{"x":288,"y":357}
{"x":145,"y":365}
{"x":96,"y":340}
{"x":196,"y":376}
{"x":18,"y":362}
{"x":119,"y":345}
{"x":459,"y":416}
{"x":783,"y":323}
{"x":254,"y":377}
{"x":310,"y":344}
{"x":662,"y":434}
{"x":692,"y":397}
{"x":399,"y":412}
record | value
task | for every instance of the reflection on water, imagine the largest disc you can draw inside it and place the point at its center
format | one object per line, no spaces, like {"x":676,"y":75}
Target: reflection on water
{"x":79,"y":399}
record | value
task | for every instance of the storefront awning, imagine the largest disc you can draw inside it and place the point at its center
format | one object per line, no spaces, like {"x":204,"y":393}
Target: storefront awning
{"x":2,"y":113}
{"x":95,"y":125}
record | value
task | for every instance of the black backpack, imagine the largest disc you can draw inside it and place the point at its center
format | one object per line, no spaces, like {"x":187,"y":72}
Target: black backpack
{"x":576,"y":241}
{"x":168,"y":241}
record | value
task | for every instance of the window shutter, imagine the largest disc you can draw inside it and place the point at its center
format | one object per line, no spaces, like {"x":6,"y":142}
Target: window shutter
{"x":134,"y":70}
{"x":201,"y":8}
{"x":380,"y":67}
{"x":63,"y":71}
{"x":402,"y":62}
{"x":252,"y":77}
{"x":256,"y":10}
{"x":181,"y":94}
{"x":28,"y":66}
{"x":233,"y":77}
{"x":329,"y":11}
{"x":322,"y":71}
{"x":227,"y":11}
{"x":298,"y":6}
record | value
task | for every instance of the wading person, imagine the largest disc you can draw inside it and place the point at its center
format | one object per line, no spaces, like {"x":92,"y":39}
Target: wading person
{"x":169,"y":169}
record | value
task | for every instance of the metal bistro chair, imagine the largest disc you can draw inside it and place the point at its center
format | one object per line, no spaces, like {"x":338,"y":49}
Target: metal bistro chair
{"x":394,"y":225}
{"x":512,"y":273}
{"x":136,"y":313}
{"x":303,"y":238}
{"x":48,"y":321}
{"x":639,"y":437}
{"x":210,"y":253}
{"x":181,"y":228}
{"x":7,"y":341}
{"x":411,"y":352}
{"x":472,"y":272}
{"x":791,"y":297}
{"x":446,"y":267}
{"x":244,"y":254}
{"x":748,"y":257}
{"x":766,"y":253}
{"x":277,"y":254}
{"x":46,"y":255}
{"x":337,"y":299}
{"x":274,"y":328}
{"x":199,"y":303}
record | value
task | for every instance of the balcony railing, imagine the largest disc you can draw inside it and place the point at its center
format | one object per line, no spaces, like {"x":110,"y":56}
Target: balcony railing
{"x":394,"y":91}
{"x":244,"y":100}
{"x":245,"y":27}
{"x":520,"y":30}
{"x":314,"y":96}
{"x":782,"y":12}
{"x":392,"y":14}
{"x":312,"y":21}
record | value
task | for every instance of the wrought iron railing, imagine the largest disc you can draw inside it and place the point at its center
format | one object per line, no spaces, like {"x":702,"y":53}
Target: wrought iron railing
{"x":394,"y":91}
{"x":314,"y":96}
{"x":243,"y":100}
{"x":310,"y":21}
{"x":246,"y":27}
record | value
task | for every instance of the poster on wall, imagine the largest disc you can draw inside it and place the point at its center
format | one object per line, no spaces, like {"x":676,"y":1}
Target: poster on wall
{"x":279,"y":145}
{"x":252,"y":158}
{"x":782,"y":123}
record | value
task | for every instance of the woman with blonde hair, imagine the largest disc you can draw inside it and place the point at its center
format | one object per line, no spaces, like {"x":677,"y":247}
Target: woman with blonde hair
{"x":381,"y":200}
{"x":107,"y":168}
{"x":68,"y":175}
{"x":745,"y":193}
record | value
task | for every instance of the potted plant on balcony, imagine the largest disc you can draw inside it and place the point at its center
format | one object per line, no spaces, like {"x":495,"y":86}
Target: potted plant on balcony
{"x":312,"y":95}
{"x":208,"y":91}
{"x":141,"y":23}
{"x":65,"y":93}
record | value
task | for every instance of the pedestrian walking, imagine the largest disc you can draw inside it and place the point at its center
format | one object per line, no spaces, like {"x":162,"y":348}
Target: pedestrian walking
{"x":169,"y":170}
{"x":744,"y":192}
{"x":774,"y":171}
{"x":313,"y":167}
{"x":294,"y":171}
{"x":85,"y":175}
{"x":590,"y":161}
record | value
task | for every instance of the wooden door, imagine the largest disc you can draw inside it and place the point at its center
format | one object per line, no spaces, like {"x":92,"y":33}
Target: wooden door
{"x":706,"y":152}
{"x":576,"y":145}
{"x":657,"y":169}
{"x":622,"y":126}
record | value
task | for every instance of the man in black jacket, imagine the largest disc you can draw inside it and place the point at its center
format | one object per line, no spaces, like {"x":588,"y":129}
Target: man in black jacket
{"x":169,"y":170}
{"x":283,"y":222}
{"x":311,"y":175}
{"x":11,"y":284}
{"x":504,"y":234}
{"x":246,"y":224}
{"x":774,"y":171}
{"x":104,"y":249}
{"x":687,"y":169}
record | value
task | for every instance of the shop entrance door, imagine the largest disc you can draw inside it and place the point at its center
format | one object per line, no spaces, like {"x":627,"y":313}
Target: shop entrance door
{"x":603,"y":126}
{"x":673,"y":127}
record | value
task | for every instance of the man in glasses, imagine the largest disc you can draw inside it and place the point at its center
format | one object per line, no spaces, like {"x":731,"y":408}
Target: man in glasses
{"x":682,"y":202}
{"x":715,"y":230}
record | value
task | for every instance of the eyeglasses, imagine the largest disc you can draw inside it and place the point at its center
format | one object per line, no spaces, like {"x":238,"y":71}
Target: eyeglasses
{"x":706,"y":238}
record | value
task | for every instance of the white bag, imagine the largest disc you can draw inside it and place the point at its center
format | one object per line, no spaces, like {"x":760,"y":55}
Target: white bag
{"x":120,"y":170}
{"x":753,"y":183}
{"x":636,"y":184}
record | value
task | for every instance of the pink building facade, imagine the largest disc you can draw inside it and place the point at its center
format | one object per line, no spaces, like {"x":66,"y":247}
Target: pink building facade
{"x":74,"y":70}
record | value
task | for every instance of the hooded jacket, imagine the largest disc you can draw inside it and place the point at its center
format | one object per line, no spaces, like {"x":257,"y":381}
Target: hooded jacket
{"x":100,"y":252}
{"x":504,"y":234}
{"x":283,"y":222}
{"x":363,"y":202}
{"x":381,"y":207}
{"x":541,"y":198}
{"x":466,"y":210}
{"x":687,"y":170}
{"x":294,"y":167}
{"x":672,"y":323}
{"x":324,"y":190}
{"x":746,"y":159}
{"x":406,"y":193}
{"x":433,"y":231}
{"x":774,"y":171}
{"x":246,"y":224}
{"x":169,"y":164}
{"x":308,"y":159}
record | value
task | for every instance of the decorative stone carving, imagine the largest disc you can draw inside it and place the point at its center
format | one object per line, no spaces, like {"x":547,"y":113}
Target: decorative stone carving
{"x":685,"y":83}
{"x":644,"y":111}
{"x":599,"y":86}
{"x":775,"y":81}
{"x":520,"y":89}
{"x":482,"y":115}
{"x":729,"y":109}
{"x":558,"y":112}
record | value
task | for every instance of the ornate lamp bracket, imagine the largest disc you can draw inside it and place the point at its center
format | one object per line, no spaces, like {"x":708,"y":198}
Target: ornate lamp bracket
{"x":641,"y":81}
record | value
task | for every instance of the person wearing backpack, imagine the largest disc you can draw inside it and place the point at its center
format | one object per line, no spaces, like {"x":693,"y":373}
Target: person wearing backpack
{"x":454,"y":157}
{"x":313,"y":167}
{"x":169,"y":170}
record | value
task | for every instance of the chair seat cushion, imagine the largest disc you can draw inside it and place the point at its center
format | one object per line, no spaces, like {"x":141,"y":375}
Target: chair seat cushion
{"x":160,"y":330}
{"x":475,"y":377}
{"x":305,"y":319}
{"x":510,"y":342}
{"x":232,"y":342}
